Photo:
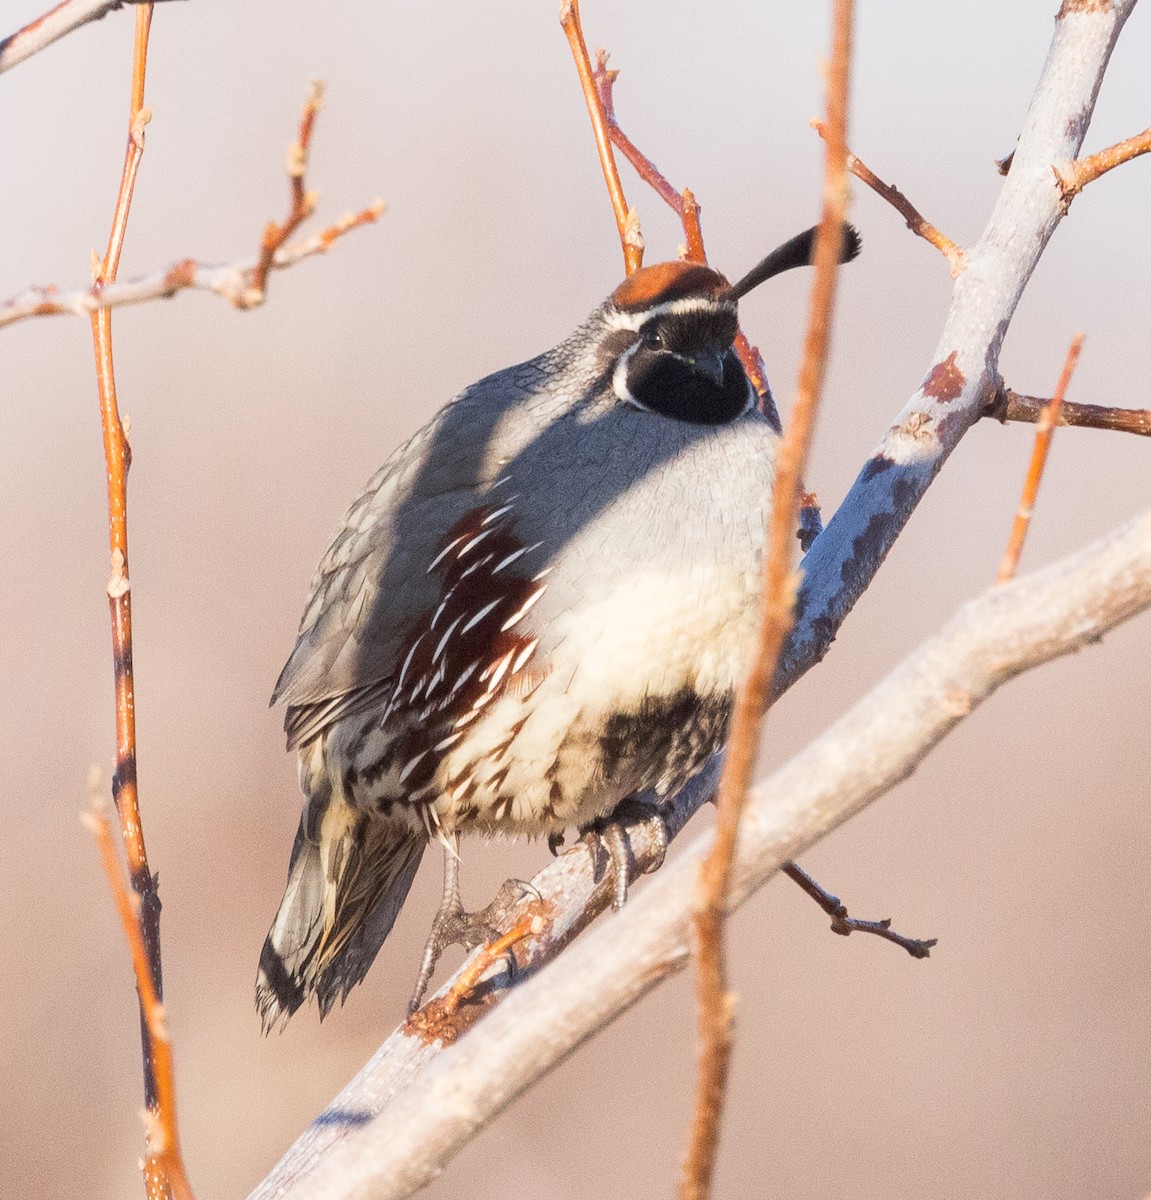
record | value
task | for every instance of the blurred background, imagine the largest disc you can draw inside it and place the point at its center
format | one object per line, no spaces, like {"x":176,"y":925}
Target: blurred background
{"x":1016,"y":1062}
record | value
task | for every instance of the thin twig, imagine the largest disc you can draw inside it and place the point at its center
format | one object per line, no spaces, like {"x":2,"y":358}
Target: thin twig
{"x":303,"y":202}
{"x":1013,"y":406}
{"x":956,"y":256}
{"x":163,"y":1130}
{"x":844,"y":924}
{"x":1074,"y":176}
{"x":233,"y":281}
{"x":715,"y":1005}
{"x":627,"y":220}
{"x":1043,"y":434}
{"x":684,"y":205}
{"x":158,"y":1085}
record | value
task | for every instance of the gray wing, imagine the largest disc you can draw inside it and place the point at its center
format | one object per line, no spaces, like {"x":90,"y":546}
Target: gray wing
{"x":373,"y":583}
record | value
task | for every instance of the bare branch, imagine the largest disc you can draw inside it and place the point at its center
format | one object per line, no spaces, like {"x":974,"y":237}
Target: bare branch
{"x":54,"y":24}
{"x":1075,"y":176}
{"x":397,"y":1125}
{"x":1042,"y":446}
{"x":918,"y":224}
{"x":963,"y":377}
{"x":237,"y":282}
{"x":163,"y":1129}
{"x":627,"y":219}
{"x":776,"y":615}
{"x":1012,"y":406}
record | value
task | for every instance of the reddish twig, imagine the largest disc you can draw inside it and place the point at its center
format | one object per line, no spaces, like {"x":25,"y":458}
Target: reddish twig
{"x":301,"y":207}
{"x":1012,"y":406}
{"x":627,"y":219}
{"x":918,"y":224}
{"x":1074,"y":176}
{"x":1043,"y":434}
{"x":233,"y":281}
{"x":843,"y":923}
{"x":488,"y":954}
{"x":775,"y":621}
{"x":117,"y":455}
{"x":684,"y":205}
{"x":163,"y":1132}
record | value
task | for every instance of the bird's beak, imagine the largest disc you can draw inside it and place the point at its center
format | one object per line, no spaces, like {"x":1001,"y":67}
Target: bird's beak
{"x":709,"y":364}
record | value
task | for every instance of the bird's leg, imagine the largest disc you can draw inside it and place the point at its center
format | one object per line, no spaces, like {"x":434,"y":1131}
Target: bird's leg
{"x":452,"y":926}
{"x":610,"y":834}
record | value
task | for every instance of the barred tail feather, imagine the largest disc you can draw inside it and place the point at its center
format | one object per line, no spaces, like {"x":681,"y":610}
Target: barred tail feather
{"x":348,"y":878}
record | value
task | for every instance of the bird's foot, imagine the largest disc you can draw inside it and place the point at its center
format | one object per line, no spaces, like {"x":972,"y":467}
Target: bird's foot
{"x":455,"y":927}
{"x":609,"y":835}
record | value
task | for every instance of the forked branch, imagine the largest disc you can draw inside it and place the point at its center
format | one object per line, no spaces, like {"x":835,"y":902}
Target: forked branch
{"x":244,"y":284}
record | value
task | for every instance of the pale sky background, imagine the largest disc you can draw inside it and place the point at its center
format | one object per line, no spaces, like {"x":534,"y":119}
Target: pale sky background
{"x":1016,"y":1063}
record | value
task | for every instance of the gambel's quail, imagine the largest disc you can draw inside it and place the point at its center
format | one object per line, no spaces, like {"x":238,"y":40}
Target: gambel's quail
{"x":541,"y":606}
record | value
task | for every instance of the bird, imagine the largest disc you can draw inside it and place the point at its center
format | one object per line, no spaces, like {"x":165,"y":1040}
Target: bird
{"x":539,"y":609}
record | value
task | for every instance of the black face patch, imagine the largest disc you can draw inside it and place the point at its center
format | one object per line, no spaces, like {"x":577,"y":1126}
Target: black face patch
{"x":668,"y":384}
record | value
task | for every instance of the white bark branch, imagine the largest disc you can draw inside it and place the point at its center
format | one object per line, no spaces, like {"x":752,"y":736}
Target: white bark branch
{"x":964,"y":373}
{"x":383,"y":1140}
{"x":54,"y":24}
{"x":233,"y":281}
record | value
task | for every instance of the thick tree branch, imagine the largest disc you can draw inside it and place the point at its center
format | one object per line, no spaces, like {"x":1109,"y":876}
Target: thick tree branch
{"x":963,"y":377}
{"x":395,"y":1127}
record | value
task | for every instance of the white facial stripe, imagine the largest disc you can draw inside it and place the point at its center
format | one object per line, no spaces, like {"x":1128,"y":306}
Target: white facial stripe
{"x":619,"y":319}
{"x":619,"y":380}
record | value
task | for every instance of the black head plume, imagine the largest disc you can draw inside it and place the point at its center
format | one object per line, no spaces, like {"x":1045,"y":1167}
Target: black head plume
{"x":795,"y":253}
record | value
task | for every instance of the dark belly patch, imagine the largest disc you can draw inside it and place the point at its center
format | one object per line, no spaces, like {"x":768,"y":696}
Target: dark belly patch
{"x":664,"y":741}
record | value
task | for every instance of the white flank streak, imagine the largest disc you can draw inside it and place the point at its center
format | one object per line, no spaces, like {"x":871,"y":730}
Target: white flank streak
{"x":499,"y":512}
{"x":525,"y":654}
{"x":444,"y":640}
{"x":480,"y":562}
{"x":543,"y":574}
{"x":511,"y":558}
{"x":442,"y":605}
{"x":450,"y":740}
{"x":436,"y":679}
{"x":439,"y":558}
{"x":500,"y":670}
{"x":472,"y":543}
{"x":408,"y":662}
{"x":487,"y":608}
{"x":412,"y":764}
{"x":465,"y":675}
{"x":523,"y":609}
{"x":460,"y":790}
{"x":466,"y":719}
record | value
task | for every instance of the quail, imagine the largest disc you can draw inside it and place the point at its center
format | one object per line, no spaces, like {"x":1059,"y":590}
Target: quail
{"x":539,"y":608}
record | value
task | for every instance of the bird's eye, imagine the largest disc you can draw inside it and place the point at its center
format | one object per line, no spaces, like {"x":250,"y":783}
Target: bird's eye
{"x":653,"y":339}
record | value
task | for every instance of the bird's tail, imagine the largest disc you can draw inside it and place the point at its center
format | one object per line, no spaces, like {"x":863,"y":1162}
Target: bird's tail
{"x":347,"y":880}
